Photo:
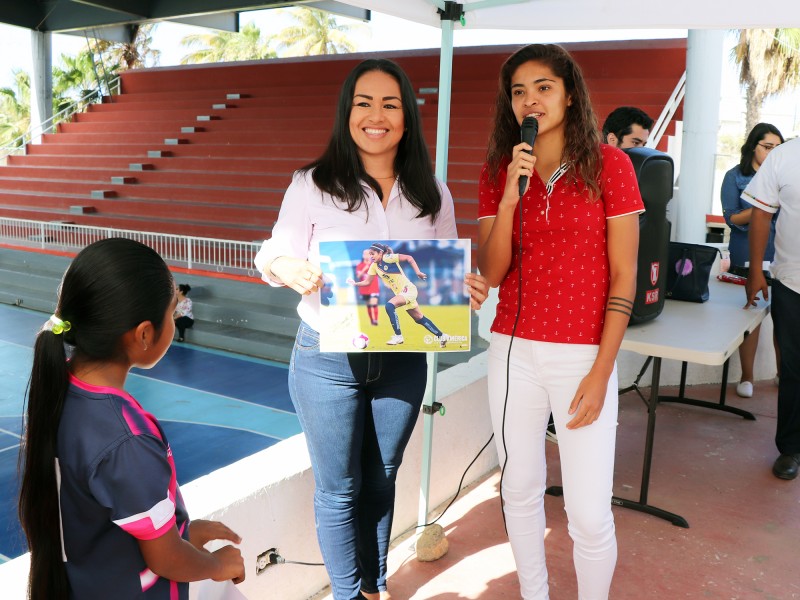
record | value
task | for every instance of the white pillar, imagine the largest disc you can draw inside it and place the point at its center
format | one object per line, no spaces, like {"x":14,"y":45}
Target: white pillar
{"x":41,"y":81}
{"x":704,"y":58}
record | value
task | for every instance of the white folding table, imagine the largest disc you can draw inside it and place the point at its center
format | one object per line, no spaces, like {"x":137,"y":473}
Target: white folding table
{"x":708,"y":334}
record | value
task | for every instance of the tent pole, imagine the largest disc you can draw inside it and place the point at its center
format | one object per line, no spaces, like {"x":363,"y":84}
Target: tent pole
{"x":442,"y":144}
{"x":445,"y":94}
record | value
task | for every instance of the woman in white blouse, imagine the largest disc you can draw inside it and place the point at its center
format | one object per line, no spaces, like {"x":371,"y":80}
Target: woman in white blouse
{"x":184,"y":317}
{"x":374,"y":181}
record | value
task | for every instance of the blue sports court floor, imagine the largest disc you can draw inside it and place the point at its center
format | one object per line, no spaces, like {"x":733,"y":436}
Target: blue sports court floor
{"x":215,"y":407}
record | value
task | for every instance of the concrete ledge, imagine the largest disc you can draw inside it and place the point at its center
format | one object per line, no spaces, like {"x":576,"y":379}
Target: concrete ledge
{"x":268,"y":497}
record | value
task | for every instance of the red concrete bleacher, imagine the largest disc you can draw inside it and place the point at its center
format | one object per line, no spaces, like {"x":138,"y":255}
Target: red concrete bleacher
{"x":174,"y":153}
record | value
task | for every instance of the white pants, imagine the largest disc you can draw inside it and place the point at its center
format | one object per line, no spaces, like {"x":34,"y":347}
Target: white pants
{"x":543,"y":377}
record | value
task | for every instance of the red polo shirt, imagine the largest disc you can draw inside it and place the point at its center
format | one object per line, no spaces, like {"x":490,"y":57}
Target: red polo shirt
{"x":565,"y":275}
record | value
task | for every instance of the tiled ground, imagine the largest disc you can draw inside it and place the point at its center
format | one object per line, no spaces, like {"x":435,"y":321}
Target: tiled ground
{"x":712,"y":468}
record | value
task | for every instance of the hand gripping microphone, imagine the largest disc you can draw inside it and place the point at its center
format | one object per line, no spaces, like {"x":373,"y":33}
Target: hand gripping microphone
{"x":528,"y":131}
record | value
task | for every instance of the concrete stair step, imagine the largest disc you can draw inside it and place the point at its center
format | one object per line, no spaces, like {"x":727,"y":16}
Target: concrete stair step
{"x":302,"y":151}
{"x":260,"y":344}
{"x":71,"y":162}
{"x":217,"y":194}
{"x":82,"y":209}
{"x":246,"y":232}
{"x":165,"y":210}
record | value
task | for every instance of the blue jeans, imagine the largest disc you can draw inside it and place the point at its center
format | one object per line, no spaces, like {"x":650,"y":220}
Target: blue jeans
{"x":785,"y":307}
{"x":357,"y":411}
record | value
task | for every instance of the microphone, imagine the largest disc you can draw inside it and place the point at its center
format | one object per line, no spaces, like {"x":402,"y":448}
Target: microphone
{"x":528,"y":131}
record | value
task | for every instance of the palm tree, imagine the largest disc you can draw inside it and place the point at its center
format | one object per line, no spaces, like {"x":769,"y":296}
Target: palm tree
{"x":769,"y":62}
{"x":315,"y":32}
{"x":225,"y":46}
{"x":15,"y":108}
{"x":75,"y":78}
{"x":109,"y":58}
{"x":137,"y":54}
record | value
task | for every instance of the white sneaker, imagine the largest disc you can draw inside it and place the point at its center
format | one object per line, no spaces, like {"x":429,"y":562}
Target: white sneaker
{"x":745,"y":389}
{"x":395,"y":340}
{"x":443,"y":340}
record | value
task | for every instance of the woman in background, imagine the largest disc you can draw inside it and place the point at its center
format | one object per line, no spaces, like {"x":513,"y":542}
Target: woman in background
{"x":761,"y":140}
{"x":184,"y":318}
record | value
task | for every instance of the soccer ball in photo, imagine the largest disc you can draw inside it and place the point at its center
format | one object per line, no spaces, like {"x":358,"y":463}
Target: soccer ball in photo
{"x":361,"y":341}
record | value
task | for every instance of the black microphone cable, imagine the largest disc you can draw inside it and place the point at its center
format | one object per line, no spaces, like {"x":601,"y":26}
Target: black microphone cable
{"x":530,"y":140}
{"x":508,"y":367}
{"x":528,"y":132}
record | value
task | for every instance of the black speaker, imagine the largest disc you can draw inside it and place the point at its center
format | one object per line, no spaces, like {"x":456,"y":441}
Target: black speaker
{"x":655,"y":174}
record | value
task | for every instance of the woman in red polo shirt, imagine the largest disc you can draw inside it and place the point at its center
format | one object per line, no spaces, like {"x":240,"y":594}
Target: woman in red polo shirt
{"x":564,"y":256}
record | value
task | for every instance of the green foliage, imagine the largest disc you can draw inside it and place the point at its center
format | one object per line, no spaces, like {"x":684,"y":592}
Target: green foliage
{"x":769,"y":63}
{"x":76,"y":79}
{"x":15,"y":112}
{"x":312,"y":32}
{"x":224,"y":46}
{"x":315,"y":32}
{"x":137,"y":54}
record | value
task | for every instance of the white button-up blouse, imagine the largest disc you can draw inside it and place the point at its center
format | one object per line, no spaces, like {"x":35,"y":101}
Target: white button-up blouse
{"x":309,"y":216}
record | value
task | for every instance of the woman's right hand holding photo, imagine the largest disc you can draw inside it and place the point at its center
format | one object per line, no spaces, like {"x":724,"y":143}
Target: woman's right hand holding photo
{"x":302,"y":276}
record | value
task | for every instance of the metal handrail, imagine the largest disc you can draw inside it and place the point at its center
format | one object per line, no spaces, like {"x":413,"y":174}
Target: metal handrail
{"x":205,"y":254}
{"x":20,"y":142}
{"x":670,"y":108}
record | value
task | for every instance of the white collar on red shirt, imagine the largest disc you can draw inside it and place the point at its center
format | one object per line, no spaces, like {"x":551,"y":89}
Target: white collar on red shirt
{"x":551,"y":183}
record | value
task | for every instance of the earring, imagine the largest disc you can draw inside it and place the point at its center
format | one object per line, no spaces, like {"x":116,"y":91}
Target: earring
{"x":145,"y":346}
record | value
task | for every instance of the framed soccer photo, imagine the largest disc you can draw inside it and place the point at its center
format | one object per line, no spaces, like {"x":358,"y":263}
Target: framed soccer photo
{"x":395,"y":295}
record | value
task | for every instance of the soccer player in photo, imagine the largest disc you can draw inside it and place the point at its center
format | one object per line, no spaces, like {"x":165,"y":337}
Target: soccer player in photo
{"x":386,"y":266}
{"x":370,"y":293}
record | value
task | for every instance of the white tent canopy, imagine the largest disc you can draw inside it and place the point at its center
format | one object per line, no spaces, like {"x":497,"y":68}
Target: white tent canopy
{"x":598,"y":14}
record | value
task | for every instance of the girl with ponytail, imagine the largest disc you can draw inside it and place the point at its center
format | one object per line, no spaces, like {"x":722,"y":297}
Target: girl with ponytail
{"x":99,"y":500}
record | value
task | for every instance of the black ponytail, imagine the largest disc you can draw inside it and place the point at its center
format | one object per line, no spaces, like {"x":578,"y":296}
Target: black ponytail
{"x":38,"y":498}
{"x":110,"y":287}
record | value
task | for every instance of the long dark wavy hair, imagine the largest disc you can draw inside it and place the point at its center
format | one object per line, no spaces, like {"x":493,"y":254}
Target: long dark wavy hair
{"x":339,"y":171}
{"x":109,"y":288}
{"x":749,"y":147}
{"x":581,"y":135}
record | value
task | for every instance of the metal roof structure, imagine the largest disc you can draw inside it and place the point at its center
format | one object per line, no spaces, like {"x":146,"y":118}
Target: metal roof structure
{"x":112,"y":19}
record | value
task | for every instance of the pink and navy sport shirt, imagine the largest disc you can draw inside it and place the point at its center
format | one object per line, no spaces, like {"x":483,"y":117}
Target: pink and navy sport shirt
{"x":117,"y":485}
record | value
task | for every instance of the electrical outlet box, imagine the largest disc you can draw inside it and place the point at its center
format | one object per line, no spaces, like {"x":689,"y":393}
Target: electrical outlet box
{"x":266,"y":559}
